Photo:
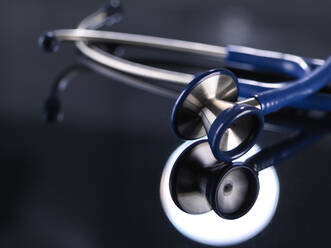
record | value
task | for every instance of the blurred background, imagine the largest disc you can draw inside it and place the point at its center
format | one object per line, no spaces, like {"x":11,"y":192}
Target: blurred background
{"x":93,"y":180}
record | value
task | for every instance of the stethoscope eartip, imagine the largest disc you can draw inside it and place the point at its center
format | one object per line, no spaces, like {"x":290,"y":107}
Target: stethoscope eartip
{"x":114,"y":3}
{"x":52,"y":111}
{"x":48,"y":42}
{"x":113,"y":11}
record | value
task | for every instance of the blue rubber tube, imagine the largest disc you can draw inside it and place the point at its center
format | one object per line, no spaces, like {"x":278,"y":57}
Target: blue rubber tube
{"x":267,"y":61}
{"x":318,"y":101}
{"x":284,"y":64}
{"x":275,"y":99}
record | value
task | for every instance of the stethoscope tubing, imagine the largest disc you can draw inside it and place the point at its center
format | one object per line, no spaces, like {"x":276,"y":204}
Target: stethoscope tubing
{"x":275,"y":99}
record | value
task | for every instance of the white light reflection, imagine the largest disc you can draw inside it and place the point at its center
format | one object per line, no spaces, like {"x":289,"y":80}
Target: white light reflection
{"x":209,"y":228}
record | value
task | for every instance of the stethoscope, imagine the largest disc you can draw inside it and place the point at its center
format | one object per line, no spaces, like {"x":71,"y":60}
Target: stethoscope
{"x":208,"y":105}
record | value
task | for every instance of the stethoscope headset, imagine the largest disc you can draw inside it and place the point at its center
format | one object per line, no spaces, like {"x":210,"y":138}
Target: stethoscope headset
{"x":229,"y":110}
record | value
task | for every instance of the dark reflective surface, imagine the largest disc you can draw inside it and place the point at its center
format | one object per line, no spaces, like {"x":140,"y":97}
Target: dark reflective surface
{"x":93,"y":181}
{"x":192,"y":174}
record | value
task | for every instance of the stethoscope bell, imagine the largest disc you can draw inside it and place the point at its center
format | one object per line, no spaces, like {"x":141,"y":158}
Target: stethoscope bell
{"x":208,"y":106}
{"x":199,"y":184}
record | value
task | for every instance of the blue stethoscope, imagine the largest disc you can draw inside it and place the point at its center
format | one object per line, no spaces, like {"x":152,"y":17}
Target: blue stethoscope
{"x":209,"y":103}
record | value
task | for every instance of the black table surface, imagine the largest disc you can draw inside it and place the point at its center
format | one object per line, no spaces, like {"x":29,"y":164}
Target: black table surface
{"x":93,"y":180}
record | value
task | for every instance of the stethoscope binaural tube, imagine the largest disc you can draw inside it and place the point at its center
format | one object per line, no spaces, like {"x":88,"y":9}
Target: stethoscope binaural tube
{"x":276,"y":64}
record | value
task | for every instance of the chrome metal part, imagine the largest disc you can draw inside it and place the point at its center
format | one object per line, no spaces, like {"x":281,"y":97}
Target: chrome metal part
{"x":252,"y":102}
{"x":140,"y":40}
{"x":201,"y":107}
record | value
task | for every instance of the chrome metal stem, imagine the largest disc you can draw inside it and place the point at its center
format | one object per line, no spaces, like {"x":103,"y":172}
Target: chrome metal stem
{"x":140,"y":40}
{"x":212,"y":109}
{"x":83,"y":36}
{"x":252,"y":102}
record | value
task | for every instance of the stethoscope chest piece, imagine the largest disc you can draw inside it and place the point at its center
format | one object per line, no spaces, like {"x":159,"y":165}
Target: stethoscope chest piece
{"x":208,"y":106}
{"x":199,"y":184}
{"x":191,"y":104}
